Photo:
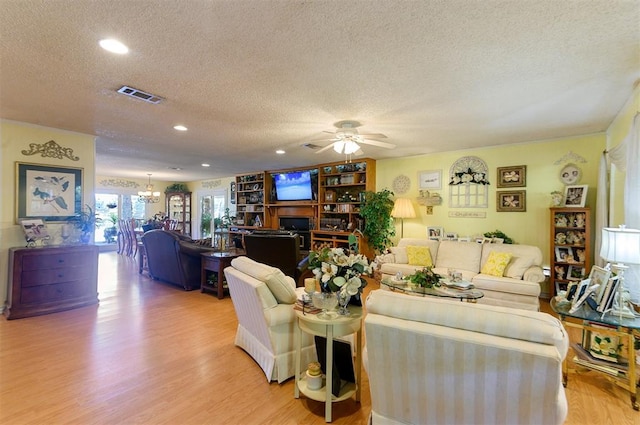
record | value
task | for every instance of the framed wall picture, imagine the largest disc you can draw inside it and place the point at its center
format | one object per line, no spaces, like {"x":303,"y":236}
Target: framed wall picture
{"x":431,"y":179}
{"x":50,"y":193}
{"x":329,"y":196}
{"x":575,"y":196}
{"x":514,"y":176}
{"x":435,"y":232}
{"x":511,"y":201}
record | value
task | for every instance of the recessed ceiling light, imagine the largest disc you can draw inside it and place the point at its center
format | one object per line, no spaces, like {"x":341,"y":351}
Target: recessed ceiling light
{"x":280,"y":152}
{"x":180,"y":128}
{"x":175,"y":168}
{"x":114,"y":46}
{"x":206,"y":165}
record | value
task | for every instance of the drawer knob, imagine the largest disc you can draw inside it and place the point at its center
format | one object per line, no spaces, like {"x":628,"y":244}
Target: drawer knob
{"x":61,"y":260}
{"x":61,"y":275}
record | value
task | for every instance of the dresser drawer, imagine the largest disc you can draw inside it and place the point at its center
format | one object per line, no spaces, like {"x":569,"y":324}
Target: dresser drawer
{"x":57,"y":260}
{"x":49,"y":293}
{"x":47,"y":277}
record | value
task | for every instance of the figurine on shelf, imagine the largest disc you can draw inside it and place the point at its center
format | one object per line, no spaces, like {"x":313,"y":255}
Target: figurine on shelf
{"x":581,"y":256}
{"x":559,"y":272}
{"x":571,"y":238}
{"x":580,"y":220}
{"x":561,"y":238}
{"x":561,"y":220}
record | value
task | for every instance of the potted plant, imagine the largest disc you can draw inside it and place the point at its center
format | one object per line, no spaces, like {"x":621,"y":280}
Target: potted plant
{"x":111,"y":232}
{"x":425,"y":278}
{"x":378,"y":225}
{"x":85,"y":221}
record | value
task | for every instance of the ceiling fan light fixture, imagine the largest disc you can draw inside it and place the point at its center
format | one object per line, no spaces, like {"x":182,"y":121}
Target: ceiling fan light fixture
{"x":351,"y":147}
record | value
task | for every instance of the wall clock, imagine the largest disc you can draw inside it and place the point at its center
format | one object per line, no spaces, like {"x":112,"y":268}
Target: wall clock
{"x":570,"y":174}
{"x":401,"y":184}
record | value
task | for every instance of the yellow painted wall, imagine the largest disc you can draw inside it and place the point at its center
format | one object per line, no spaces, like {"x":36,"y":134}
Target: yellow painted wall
{"x":530,"y":227}
{"x":617,"y":132}
{"x":16,"y":137}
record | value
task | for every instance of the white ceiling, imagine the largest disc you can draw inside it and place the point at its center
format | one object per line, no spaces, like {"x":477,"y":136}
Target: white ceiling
{"x":250,"y":76}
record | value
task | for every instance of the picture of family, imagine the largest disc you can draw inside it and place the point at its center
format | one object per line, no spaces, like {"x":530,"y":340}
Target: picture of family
{"x":575,"y":196}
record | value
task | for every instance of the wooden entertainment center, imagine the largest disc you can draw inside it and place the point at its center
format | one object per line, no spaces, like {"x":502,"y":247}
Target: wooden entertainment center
{"x":332,"y":212}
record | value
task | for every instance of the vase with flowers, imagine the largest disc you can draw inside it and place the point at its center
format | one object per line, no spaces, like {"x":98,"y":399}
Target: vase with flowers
{"x":340,"y":272}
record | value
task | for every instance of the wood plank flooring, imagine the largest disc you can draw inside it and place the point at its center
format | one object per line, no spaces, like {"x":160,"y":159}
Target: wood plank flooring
{"x":151,"y":353}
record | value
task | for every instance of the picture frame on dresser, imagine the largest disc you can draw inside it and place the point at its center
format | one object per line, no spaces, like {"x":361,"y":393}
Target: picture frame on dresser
{"x":50,"y":193}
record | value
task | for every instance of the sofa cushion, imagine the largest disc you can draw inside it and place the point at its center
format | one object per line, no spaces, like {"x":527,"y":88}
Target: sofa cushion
{"x":524,"y":256}
{"x":496,"y":263}
{"x":282,"y":287}
{"x":400,"y":254}
{"x":459,"y":256}
{"x":433,"y":245}
{"x":419,"y":255}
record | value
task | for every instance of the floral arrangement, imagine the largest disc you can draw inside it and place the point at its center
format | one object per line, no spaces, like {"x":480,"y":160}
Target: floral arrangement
{"x":425,"y":278}
{"x":468,"y":176}
{"x":339,"y":271}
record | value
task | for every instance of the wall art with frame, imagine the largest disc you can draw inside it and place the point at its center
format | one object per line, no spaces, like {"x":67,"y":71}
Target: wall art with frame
{"x":575,"y":196}
{"x":431,"y":179}
{"x":514,"y":176}
{"x":50,"y":193}
{"x":511,"y":201}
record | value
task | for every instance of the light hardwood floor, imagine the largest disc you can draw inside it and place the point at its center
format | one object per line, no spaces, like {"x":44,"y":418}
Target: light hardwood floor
{"x":151,"y":353}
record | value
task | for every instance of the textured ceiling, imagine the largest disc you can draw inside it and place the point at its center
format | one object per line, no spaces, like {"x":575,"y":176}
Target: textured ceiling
{"x":249,"y":77}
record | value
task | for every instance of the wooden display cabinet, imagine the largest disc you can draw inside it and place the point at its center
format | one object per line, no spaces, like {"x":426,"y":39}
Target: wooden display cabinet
{"x":250,"y":201}
{"x":179,"y":208}
{"x":570,"y":253}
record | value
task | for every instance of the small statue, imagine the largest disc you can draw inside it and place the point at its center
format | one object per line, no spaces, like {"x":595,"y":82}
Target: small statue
{"x":580,"y":220}
{"x":559,"y":272}
{"x":561,"y":220}
{"x":581,"y":256}
{"x":561,"y":238}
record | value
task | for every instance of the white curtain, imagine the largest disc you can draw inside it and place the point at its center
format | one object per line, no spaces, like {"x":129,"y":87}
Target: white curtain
{"x":626,"y":158}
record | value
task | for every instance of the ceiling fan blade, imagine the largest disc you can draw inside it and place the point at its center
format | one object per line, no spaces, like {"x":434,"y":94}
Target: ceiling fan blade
{"x":325,"y":148}
{"x":374,"y":136}
{"x":377,"y":143}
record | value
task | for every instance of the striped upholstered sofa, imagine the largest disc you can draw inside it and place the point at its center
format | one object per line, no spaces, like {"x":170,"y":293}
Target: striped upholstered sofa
{"x":435,"y":361}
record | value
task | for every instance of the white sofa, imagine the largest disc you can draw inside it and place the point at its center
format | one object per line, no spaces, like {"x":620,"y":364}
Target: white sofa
{"x":263,"y":298}
{"x":439,"y":361}
{"x":518,"y":287}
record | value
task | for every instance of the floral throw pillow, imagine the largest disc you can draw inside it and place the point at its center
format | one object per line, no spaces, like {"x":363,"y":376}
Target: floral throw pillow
{"x":419,"y":256}
{"x":496,"y":263}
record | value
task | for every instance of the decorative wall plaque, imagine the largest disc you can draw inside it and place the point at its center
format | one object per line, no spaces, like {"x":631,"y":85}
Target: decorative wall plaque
{"x":468,"y":183}
{"x":50,"y":150}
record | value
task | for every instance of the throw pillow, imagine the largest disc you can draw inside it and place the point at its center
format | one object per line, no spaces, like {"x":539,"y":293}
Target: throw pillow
{"x":281,"y":286}
{"x":419,"y":256}
{"x":496,"y":263}
{"x":400,"y":252}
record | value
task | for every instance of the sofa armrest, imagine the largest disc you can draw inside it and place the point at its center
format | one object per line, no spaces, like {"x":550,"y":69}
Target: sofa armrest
{"x":280,"y":314}
{"x":534,"y":274}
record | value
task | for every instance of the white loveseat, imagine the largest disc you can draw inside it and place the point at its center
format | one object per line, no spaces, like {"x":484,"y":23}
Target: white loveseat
{"x":263,"y":298}
{"x":438,"y":361}
{"x":518,"y":287}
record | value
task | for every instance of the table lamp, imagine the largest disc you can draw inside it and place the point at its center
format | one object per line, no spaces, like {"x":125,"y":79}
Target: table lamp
{"x":403,"y":208}
{"x":621,"y":245}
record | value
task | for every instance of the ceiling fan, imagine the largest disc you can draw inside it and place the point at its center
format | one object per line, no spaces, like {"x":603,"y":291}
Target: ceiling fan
{"x":347,"y":140}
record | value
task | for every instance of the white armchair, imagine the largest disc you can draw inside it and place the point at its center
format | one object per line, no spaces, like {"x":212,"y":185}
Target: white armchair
{"x":263,"y":298}
{"x":433,"y":361}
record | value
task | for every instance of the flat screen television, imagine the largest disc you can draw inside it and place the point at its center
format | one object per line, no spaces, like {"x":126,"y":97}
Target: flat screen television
{"x":293,"y":186}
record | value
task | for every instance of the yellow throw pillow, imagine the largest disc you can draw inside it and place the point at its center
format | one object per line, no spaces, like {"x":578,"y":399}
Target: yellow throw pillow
{"x":419,"y":256}
{"x":496,"y":263}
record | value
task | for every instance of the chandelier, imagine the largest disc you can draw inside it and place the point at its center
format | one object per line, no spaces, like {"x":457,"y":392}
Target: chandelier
{"x":149,"y":196}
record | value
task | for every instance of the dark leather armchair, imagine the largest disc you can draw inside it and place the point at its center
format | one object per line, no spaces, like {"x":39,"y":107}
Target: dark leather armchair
{"x":173,"y":258}
{"x":277,"y":249}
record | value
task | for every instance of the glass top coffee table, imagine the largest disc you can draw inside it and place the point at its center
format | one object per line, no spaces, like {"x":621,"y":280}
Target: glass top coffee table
{"x":470,"y":294}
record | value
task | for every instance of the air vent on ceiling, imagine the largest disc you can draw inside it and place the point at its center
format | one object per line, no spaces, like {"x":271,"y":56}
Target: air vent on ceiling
{"x":311,"y":146}
{"x":139,"y":94}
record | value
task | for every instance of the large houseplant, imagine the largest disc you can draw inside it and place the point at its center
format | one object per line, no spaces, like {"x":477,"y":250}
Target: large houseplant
{"x":378,"y":225}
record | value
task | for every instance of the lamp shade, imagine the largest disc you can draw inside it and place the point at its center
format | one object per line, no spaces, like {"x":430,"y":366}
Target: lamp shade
{"x":403,"y":208}
{"x":620,"y":245}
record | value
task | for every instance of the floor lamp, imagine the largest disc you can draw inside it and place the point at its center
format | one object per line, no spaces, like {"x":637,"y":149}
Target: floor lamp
{"x":403,"y":208}
{"x":621,"y":246}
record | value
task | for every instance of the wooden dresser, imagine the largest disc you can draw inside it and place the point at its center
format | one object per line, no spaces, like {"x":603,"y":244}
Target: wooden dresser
{"x":49,"y":279}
